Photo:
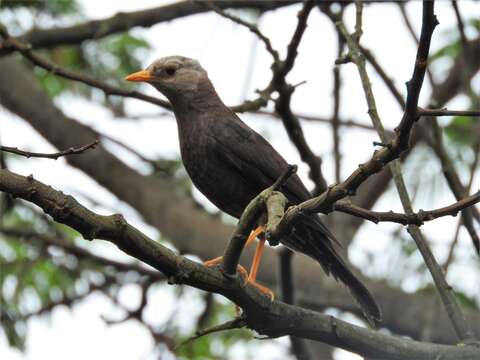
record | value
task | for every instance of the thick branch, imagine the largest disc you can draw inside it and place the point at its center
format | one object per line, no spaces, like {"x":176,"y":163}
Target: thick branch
{"x":121,"y":22}
{"x":272,"y":319}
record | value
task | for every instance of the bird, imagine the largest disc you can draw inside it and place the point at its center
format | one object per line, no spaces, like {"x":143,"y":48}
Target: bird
{"x":231,"y":164}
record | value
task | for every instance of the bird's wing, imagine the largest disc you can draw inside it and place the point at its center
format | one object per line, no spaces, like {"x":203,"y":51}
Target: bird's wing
{"x":254,"y":158}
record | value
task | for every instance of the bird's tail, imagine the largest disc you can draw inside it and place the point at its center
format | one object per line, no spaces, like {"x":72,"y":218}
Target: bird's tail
{"x":312,"y":238}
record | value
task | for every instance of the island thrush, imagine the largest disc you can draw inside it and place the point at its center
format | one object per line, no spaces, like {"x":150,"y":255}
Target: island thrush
{"x":231,"y":164}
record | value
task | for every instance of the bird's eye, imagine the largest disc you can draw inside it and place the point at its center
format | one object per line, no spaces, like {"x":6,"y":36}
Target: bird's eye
{"x":170,"y":71}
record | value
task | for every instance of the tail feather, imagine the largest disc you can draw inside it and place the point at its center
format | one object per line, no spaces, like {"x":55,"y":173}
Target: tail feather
{"x":310,"y":238}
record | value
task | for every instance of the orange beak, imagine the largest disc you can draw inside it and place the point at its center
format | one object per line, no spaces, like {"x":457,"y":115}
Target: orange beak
{"x":139,"y":76}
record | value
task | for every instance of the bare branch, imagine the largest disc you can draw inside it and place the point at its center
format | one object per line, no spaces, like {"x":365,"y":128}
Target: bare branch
{"x":460,"y":24}
{"x":272,"y":319}
{"x":345,"y":123}
{"x":368,"y":55}
{"x":55,"y":156}
{"x":414,"y":85}
{"x":412,"y":33}
{"x":254,"y":29}
{"x":124,"y":21}
{"x":405,"y":219}
{"x":282,"y":104}
{"x":26,"y":50}
{"x":292,"y":50}
{"x":335,"y":122}
{"x":446,"y":112}
{"x":236,"y":323}
{"x":453,"y":181}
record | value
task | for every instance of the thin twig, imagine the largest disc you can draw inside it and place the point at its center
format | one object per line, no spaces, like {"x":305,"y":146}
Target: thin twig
{"x":237,"y":323}
{"x":358,"y":21}
{"x":411,"y":31}
{"x":54,"y":156}
{"x":334,"y":17}
{"x":337,"y":84}
{"x":254,"y":29}
{"x":344,"y":123}
{"x":460,"y":24}
{"x":456,"y":237}
{"x":292,"y":49}
{"x":446,"y":112}
{"x":383,"y":75}
{"x":25,"y":49}
{"x":453,"y":181}
{"x":407,"y":219}
{"x":155,"y":164}
{"x":282,"y":103}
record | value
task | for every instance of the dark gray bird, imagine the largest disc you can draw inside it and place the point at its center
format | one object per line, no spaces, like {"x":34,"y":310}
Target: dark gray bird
{"x":231,"y":164}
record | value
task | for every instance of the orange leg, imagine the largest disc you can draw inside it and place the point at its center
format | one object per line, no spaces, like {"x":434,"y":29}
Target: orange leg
{"x":254,"y":234}
{"x":218,"y":260}
{"x":251,"y":279}
{"x":254,"y":269}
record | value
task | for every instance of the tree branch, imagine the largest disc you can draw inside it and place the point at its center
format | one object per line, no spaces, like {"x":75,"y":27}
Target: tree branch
{"x":54,"y":156}
{"x":272,"y":319}
{"x":446,"y":112}
{"x":282,"y":103}
{"x":122,"y":21}
{"x":26,"y":50}
{"x":254,"y":29}
{"x":407,"y":219}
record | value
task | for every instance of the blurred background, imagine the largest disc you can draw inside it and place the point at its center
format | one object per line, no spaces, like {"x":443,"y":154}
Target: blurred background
{"x":62,"y":296}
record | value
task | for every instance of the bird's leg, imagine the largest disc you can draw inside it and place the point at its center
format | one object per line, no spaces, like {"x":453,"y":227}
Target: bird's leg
{"x":254,"y":269}
{"x":253,"y":235}
{"x":218,"y":260}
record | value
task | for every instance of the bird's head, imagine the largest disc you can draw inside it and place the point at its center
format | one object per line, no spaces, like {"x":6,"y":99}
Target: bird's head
{"x":173,"y":76}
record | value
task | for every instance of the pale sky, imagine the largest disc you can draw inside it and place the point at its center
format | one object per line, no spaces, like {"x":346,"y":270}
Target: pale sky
{"x":224,"y":49}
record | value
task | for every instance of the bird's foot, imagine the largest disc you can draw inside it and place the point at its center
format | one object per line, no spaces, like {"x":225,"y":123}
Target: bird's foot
{"x":218,"y":260}
{"x":263,"y":289}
